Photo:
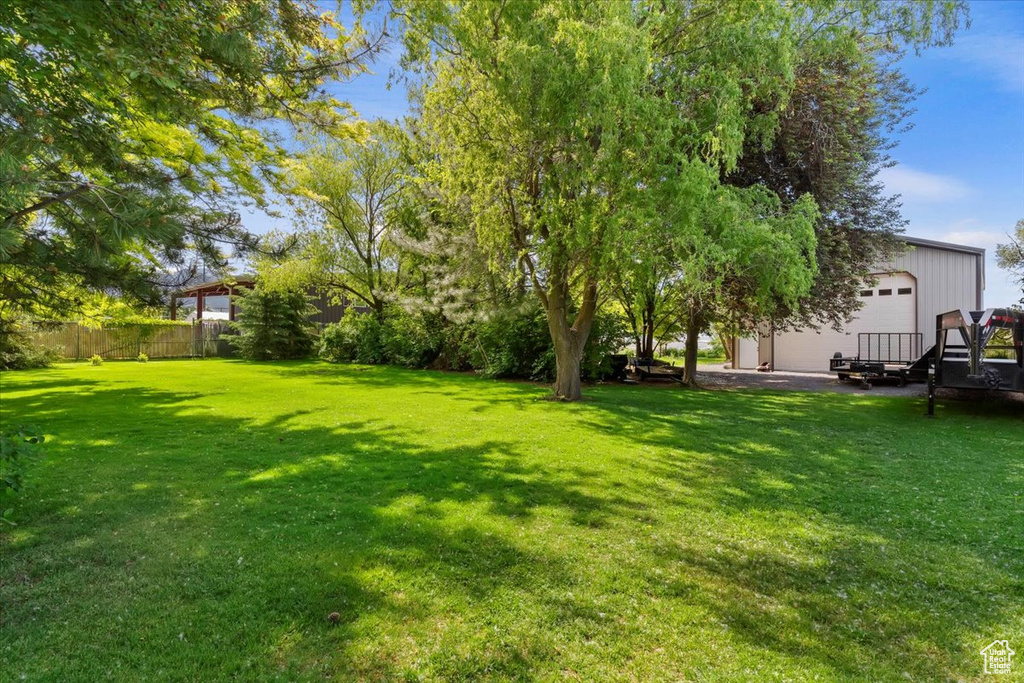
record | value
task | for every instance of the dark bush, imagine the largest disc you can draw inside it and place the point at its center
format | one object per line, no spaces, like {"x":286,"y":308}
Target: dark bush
{"x":273,"y":325}
{"x":356,"y":338}
{"x":607,"y":336}
{"x":517,"y":343}
{"x":412,"y":340}
{"x":17,"y":352}
{"x":514,"y":342}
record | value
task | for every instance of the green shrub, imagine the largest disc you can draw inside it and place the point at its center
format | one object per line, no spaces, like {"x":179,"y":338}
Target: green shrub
{"x":143,"y":358}
{"x":338,"y":341}
{"x":517,"y":343}
{"x":96,"y":360}
{"x":514,"y":342}
{"x":17,"y":446}
{"x":455,"y":343}
{"x":356,"y":338}
{"x":273,"y":325}
{"x":412,"y":340}
{"x":17,"y":351}
{"x":607,"y":336}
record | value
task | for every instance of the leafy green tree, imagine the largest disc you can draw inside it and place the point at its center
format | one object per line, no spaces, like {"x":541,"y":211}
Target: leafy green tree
{"x":1011,"y":255}
{"x":570,"y":130}
{"x":648,"y":289}
{"x":822,"y":134}
{"x":551,"y":126}
{"x":750,"y":253}
{"x":832,"y":140}
{"x":126,"y":128}
{"x":352,"y":193}
{"x":274,"y":325}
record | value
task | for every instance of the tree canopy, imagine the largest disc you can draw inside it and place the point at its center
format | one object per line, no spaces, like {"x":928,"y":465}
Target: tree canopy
{"x":130,"y":131}
{"x":1011,"y":255}
{"x":352,"y":196}
{"x":568,"y":128}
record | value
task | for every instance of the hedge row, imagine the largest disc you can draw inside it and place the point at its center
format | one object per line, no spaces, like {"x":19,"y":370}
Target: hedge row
{"x":512,"y":343}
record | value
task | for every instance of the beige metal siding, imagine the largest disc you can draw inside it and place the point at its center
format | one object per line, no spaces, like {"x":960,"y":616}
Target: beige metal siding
{"x":946,"y":280}
{"x":746,"y":352}
{"x":809,"y":350}
{"x":942,"y":279}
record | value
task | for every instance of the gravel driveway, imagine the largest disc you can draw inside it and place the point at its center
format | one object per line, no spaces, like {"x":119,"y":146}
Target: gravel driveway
{"x":718,"y":377}
{"x":715,"y":376}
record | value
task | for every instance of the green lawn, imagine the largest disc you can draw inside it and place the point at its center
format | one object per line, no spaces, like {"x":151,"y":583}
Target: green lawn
{"x":199,"y":520}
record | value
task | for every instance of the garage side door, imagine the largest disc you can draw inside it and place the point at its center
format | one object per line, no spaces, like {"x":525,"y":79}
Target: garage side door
{"x":889,"y":306}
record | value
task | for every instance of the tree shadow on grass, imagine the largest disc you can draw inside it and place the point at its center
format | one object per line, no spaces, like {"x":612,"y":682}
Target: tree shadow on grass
{"x":883,"y":547}
{"x":478,"y":393}
{"x":170,"y":536}
{"x":240,"y":537}
{"x":11,"y":384}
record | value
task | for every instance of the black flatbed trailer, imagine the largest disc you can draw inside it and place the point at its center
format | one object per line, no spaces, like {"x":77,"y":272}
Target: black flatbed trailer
{"x":978,"y":350}
{"x":650,"y":368}
{"x":918,"y":370}
{"x":881,"y":356}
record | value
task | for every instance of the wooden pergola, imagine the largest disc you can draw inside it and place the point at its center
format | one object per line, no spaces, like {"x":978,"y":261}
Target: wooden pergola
{"x":225,"y":287}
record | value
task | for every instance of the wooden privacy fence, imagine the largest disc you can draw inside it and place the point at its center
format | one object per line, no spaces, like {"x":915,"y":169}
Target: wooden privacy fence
{"x":74,"y":341}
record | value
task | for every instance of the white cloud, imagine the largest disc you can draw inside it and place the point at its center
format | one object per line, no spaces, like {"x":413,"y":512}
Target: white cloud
{"x":916,"y":185}
{"x":972,"y":232}
{"x":1001,"y":56}
{"x":975,"y":238}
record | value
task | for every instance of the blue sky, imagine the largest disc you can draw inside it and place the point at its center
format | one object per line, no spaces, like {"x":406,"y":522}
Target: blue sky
{"x":961,"y":166}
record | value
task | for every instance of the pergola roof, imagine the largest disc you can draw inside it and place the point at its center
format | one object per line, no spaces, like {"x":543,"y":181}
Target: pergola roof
{"x":221,"y":287}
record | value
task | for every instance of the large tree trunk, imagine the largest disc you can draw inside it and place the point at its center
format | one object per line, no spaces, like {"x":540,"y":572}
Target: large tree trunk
{"x":569,"y":339}
{"x":568,"y":357}
{"x":694,"y":323}
{"x":647,"y":351}
{"x":726,"y":346}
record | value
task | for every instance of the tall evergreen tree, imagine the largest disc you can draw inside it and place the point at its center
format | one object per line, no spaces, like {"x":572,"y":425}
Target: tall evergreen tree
{"x":274,"y":325}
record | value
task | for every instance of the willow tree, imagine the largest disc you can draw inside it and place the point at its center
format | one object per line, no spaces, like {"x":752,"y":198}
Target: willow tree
{"x":750,"y":252}
{"x":648,"y":290}
{"x":569,"y":129}
{"x":351,"y":193}
{"x":810,"y":119}
{"x":540,"y":119}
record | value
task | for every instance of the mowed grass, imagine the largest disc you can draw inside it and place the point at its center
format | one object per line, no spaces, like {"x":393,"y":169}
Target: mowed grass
{"x":199,"y":521}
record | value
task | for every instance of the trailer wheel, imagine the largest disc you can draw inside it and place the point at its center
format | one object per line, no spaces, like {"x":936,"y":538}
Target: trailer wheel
{"x":843,"y":377}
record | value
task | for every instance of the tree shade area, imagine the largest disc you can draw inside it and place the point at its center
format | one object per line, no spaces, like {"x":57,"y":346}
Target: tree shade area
{"x":212,"y":530}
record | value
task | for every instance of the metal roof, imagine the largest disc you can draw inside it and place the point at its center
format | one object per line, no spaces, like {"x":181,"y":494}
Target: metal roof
{"x":947,"y":246}
{"x":244,"y":280}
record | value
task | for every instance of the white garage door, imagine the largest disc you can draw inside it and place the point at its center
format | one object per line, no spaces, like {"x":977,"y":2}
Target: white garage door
{"x":889,"y":306}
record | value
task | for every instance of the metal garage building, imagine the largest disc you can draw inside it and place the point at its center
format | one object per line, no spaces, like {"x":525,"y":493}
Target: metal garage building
{"x":928,"y":279}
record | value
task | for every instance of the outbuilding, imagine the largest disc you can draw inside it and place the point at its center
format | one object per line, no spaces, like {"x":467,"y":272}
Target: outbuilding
{"x":901,"y":300}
